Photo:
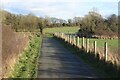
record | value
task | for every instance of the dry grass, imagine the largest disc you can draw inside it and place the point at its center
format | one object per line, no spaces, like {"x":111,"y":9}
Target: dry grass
{"x":0,"y":50}
{"x":113,"y":56}
{"x":12,"y":45}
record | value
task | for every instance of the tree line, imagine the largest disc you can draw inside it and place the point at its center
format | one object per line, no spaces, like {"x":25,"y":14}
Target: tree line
{"x":91,"y":24}
{"x":30,"y":22}
{"x":94,"y":24}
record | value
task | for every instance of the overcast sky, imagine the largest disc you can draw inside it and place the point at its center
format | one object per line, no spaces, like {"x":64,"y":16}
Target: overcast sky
{"x":60,"y":8}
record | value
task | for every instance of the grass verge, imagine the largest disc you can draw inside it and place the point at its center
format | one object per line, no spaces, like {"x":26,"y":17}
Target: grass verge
{"x":27,"y":66}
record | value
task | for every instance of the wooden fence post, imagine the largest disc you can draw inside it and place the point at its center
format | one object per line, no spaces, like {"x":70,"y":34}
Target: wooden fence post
{"x":74,"y":40}
{"x":95,"y":43}
{"x":83,"y":42}
{"x":70,"y":39}
{"x":58,"y":34}
{"x":78,"y":41}
{"x":105,"y":51}
{"x":62,"y":35}
{"x":67,"y":37}
{"x":87,"y":45}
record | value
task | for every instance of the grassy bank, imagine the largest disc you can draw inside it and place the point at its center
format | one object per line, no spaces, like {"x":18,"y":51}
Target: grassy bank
{"x":27,"y":66}
{"x":13,"y":43}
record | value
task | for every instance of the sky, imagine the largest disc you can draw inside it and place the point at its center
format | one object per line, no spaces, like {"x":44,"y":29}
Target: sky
{"x":64,"y":9}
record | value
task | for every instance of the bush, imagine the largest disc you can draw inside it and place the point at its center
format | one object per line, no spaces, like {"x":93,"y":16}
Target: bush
{"x":12,"y":44}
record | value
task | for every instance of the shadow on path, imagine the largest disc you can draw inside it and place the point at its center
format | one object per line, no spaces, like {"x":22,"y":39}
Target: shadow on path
{"x":58,"y":62}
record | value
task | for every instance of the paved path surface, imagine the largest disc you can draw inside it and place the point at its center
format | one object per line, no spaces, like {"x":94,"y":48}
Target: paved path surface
{"x":58,"y":62}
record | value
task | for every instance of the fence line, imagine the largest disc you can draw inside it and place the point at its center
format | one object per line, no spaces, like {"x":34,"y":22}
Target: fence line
{"x":84,"y":43}
{"x":75,"y":40}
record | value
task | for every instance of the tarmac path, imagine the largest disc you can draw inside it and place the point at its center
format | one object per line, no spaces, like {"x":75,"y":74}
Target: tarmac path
{"x":58,"y":62}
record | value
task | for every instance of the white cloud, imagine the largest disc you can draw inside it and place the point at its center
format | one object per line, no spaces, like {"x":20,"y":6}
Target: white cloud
{"x":55,"y":8}
{"x":40,"y":1}
{"x":6,"y":2}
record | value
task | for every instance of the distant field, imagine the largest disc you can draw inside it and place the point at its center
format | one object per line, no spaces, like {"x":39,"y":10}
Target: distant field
{"x":61,"y":29}
{"x":112,"y":44}
{"x":113,"y":48}
{"x":100,"y":42}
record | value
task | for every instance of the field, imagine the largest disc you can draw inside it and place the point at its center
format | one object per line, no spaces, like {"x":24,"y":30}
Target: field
{"x":112,"y":44}
{"x":108,"y":67}
{"x":62,"y":29}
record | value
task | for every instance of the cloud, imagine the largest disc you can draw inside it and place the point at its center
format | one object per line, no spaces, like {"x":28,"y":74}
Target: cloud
{"x":9,"y":1}
{"x":58,"y":8}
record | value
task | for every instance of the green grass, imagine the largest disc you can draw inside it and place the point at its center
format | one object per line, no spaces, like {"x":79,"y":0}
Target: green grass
{"x":27,"y":66}
{"x":62,"y":29}
{"x":107,"y":70}
{"x":112,"y":44}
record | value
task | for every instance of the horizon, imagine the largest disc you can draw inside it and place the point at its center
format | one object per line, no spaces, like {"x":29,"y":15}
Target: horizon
{"x":60,"y":9}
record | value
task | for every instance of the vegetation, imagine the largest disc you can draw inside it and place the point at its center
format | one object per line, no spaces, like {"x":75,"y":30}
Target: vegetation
{"x":107,"y":69}
{"x":112,"y":44}
{"x":95,"y":24}
{"x":14,"y":42}
{"x":62,"y":29}
{"x":12,"y":45}
{"x":27,"y":66}
{"x":91,"y":24}
{"x":113,"y":54}
{"x":88,"y":26}
{"x":112,"y":47}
